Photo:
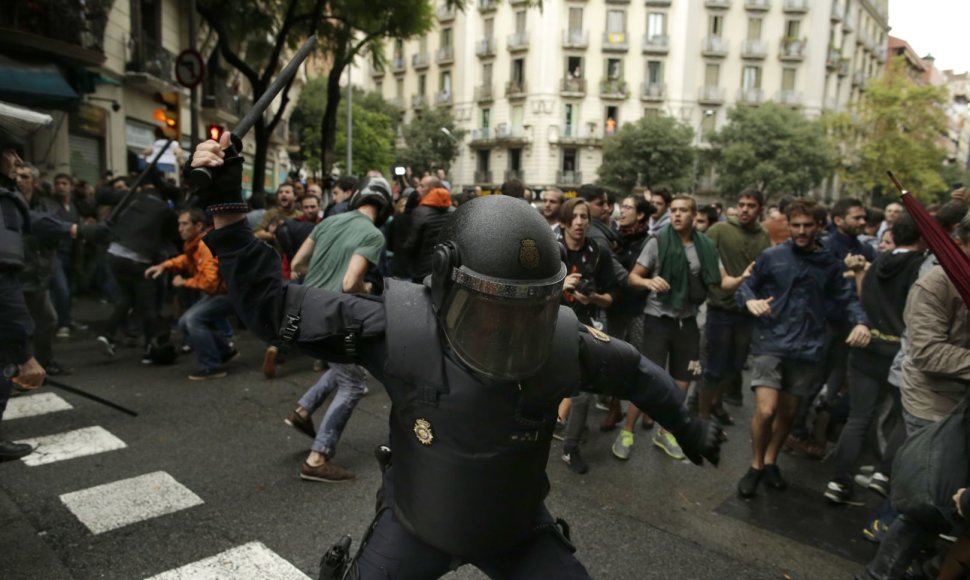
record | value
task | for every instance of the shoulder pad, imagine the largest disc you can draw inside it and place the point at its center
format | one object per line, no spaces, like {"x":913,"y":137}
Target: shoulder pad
{"x":606,"y":361}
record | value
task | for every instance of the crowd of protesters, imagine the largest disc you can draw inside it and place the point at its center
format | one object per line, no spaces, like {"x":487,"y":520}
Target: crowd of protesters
{"x":839,"y":314}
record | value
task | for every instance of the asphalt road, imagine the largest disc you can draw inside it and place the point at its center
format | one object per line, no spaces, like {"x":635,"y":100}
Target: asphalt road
{"x":218,"y":471}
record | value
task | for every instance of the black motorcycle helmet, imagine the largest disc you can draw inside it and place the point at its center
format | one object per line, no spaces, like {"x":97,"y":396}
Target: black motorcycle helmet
{"x":377,"y":192}
{"x":496,"y":279}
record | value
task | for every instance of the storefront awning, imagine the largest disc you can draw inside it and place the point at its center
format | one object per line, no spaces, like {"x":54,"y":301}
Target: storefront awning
{"x":39,"y":86}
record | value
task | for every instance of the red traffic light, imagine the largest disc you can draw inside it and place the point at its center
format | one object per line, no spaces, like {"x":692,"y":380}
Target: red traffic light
{"x":214,"y":132}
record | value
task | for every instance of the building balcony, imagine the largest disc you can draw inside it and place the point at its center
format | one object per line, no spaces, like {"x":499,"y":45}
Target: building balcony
{"x":652,"y":92}
{"x":656,"y":44}
{"x":614,"y":89}
{"x":615,"y":42}
{"x":569,"y":178}
{"x":487,"y":6}
{"x":445,"y":13}
{"x":620,"y":2}
{"x":861,"y":38}
{"x":755,"y":49}
{"x":484,"y":94}
{"x":881,"y":54}
{"x":398,"y":65}
{"x":572,"y":87}
{"x":789,"y":98}
{"x":443,"y":99}
{"x":848,"y":24}
{"x":518,"y":42}
{"x":711,"y":96}
{"x":838,"y":12}
{"x":151,"y":64}
{"x":510,"y":134}
{"x":714,"y":46}
{"x":832,"y":58}
{"x":485,"y":48}
{"x":481,"y":135}
{"x":859,"y":79}
{"x":717,"y":4}
{"x":483,"y":177}
{"x":377,"y":71}
{"x":515,"y":90}
{"x":511,"y":174}
{"x":420,"y":60}
{"x":419,"y":102}
{"x":220,"y":98}
{"x":575,"y":135}
{"x":750,"y":96}
{"x":795,"y":6}
{"x":445,"y":55}
{"x":54,"y":29}
{"x":575,"y":39}
{"x":757,"y":5}
{"x":657,"y":2}
{"x":792,"y":50}
{"x":843,"y":67}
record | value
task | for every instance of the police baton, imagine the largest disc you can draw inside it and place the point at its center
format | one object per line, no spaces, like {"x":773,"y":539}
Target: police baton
{"x":134,"y":186}
{"x":10,"y":371}
{"x":200,"y":177}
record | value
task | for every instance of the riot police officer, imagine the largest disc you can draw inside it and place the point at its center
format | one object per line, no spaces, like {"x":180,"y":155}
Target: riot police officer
{"x":475,"y":362}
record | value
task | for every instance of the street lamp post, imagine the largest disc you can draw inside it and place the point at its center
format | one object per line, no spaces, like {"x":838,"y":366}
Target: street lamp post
{"x":697,"y":147}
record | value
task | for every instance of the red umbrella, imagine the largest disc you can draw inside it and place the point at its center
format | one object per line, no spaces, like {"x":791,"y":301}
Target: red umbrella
{"x":954,"y":261}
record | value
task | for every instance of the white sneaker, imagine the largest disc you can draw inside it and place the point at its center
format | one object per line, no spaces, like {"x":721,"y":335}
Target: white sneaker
{"x":64,"y":332}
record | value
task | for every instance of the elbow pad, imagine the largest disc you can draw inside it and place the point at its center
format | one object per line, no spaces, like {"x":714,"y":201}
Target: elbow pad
{"x":605,"y":360}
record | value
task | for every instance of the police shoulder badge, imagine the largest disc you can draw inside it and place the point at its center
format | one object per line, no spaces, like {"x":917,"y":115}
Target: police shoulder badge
{"x":422,"y":430}
{"x":597,"y":334}
{"x":528,"y":254}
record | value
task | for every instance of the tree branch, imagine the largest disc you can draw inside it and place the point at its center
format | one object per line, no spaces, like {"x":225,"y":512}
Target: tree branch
{"x":232,"y":58}
{"x":274,"y":57}
{"x":284,"y":100}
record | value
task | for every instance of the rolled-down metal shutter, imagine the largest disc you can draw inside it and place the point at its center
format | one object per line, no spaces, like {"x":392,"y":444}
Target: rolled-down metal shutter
{"x":86,"y":158}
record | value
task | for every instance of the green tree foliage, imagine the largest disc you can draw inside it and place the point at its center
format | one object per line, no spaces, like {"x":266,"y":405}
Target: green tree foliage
{"x":898,"y":126}
{"x":427,"y":147}
{"x":373,"y":127}
{"x":653,"y":152}
{"x":772,"y":148}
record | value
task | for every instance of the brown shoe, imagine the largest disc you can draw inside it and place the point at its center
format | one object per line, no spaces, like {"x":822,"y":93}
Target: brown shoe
{"x":302,"y":424}
{"x":807,"y":447}
{"x":613,"y":416}
{"x":327,"y":472}
{"x":269,"y":362}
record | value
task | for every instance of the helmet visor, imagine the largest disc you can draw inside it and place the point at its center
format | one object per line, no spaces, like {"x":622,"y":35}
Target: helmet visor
{"x":502,"y":330}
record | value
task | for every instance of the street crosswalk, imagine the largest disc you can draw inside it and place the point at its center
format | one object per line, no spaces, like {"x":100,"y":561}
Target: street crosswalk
{"x":116,"y":504}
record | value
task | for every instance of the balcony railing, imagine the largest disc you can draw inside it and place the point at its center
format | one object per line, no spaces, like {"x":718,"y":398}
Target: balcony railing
{"x":487,"y":5}
{"x":859,"y":79}
{"x":790,"y":98}
{"x":656,"y":44}
{"x":485,"y":47}
{"x":614,"y":89}
{"x":652,"y":91}
{"x":657,"y":2}
{"x":881,"y":54}
{"x":848,"y":24}
{"x":445,"y":13}
{"x":797,"y":6}
{"x":792,"y":50}
{"x":714,"y":46}
{"x":376,"y":71}
{"x":420,"y":60}
{"x":515,"y":90}
{"x":397,"y":65}
{"x":506,"y":132}
{"x":838,"y":12}
{"x":419,"y":102}
{"x":750,"y":96}
{"x":484,"y":94}
{"x":760,"y":5}
{"x":569,"y":177}
{"x":615,"y":42}
{"x":717,"y":4}
{"x":511,"y":174}
{"x":575,"y":39}
{"x":445,"y":55}
{"x":573,"y":87}
{"x":73,"y":31}
{"x":754,"y":49}
{"x":481,"y":134}
{"x":711,"y":96}
{"x":572,"y":134}
{"x":843,"y":67}
{"x":443,"y":98}
{"x":220,"y":97}
{"x":832,"y":58}
{"x":147,"y":57}
{"x":483,"y":177}
{"x":518,"y":41}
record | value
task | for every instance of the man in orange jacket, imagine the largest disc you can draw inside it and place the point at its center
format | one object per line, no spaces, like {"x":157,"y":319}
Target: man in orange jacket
{"x":197,"y":269}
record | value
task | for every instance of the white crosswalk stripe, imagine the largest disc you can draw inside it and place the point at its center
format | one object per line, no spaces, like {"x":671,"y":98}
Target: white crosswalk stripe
{"x":77,"y":443}
{"x":34,"y":405}
{"x":114,"y":505}
{"x":252,"y":560}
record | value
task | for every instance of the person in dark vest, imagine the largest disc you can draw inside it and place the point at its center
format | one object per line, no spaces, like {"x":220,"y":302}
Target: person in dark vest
{"x":475,"y":363}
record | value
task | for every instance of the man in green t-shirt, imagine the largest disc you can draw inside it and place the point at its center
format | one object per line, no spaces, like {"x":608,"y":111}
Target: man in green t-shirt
{"x":336,"y":257}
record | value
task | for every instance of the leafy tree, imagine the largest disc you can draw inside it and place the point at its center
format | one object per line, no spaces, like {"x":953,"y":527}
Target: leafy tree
{"x":427,"y":146}
{"x":654,"y":152}
{"x":898,"y":126}
{"x":772,"y":148}
{"x":373,"y":124}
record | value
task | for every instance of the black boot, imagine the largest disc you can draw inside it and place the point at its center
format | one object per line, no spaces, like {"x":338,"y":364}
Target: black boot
{"x":10,"y":451}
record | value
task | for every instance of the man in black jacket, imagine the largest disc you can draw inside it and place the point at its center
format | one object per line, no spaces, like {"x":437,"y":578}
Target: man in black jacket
{"x":426,"y":221}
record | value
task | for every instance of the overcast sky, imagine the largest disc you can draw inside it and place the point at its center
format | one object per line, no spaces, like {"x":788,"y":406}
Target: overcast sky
{"x":937,"y":27}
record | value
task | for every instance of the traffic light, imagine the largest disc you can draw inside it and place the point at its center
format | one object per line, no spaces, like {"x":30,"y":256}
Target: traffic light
{"x":168,"y":113}
{"x":214,"y":131}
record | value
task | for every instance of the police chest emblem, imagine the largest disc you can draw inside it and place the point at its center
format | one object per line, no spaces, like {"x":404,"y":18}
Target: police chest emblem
{"x":597,"y":334}
{"x":422,"y":430}
{"x":528,"y":254}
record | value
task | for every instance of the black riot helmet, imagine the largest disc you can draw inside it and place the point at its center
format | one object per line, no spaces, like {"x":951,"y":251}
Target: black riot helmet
{"x":496,"y":279}
{"x":377,"y":192}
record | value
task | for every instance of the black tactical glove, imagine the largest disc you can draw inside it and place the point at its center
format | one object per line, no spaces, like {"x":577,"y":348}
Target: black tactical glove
{"x":700,"y":439}
{"x":221,"y":190}
{"x":94,"y":232}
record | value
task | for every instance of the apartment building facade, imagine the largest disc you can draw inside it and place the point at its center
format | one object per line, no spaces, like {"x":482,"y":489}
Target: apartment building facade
{"x":539,"y":90}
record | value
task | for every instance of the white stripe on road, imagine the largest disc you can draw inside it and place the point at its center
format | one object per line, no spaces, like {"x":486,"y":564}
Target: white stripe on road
{"x":33,"y":405}
{"x":78,"y":443}
{"x":115,"y":505}
{"x":253,"y":560}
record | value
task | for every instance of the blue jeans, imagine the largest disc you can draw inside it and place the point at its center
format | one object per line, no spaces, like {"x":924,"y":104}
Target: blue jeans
{"x":60,"y":291}
{"x":200,"y":323}
{"x":349,"y":381}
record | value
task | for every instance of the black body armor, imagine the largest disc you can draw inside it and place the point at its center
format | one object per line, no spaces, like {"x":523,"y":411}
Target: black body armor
{"x":14,"y":223}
